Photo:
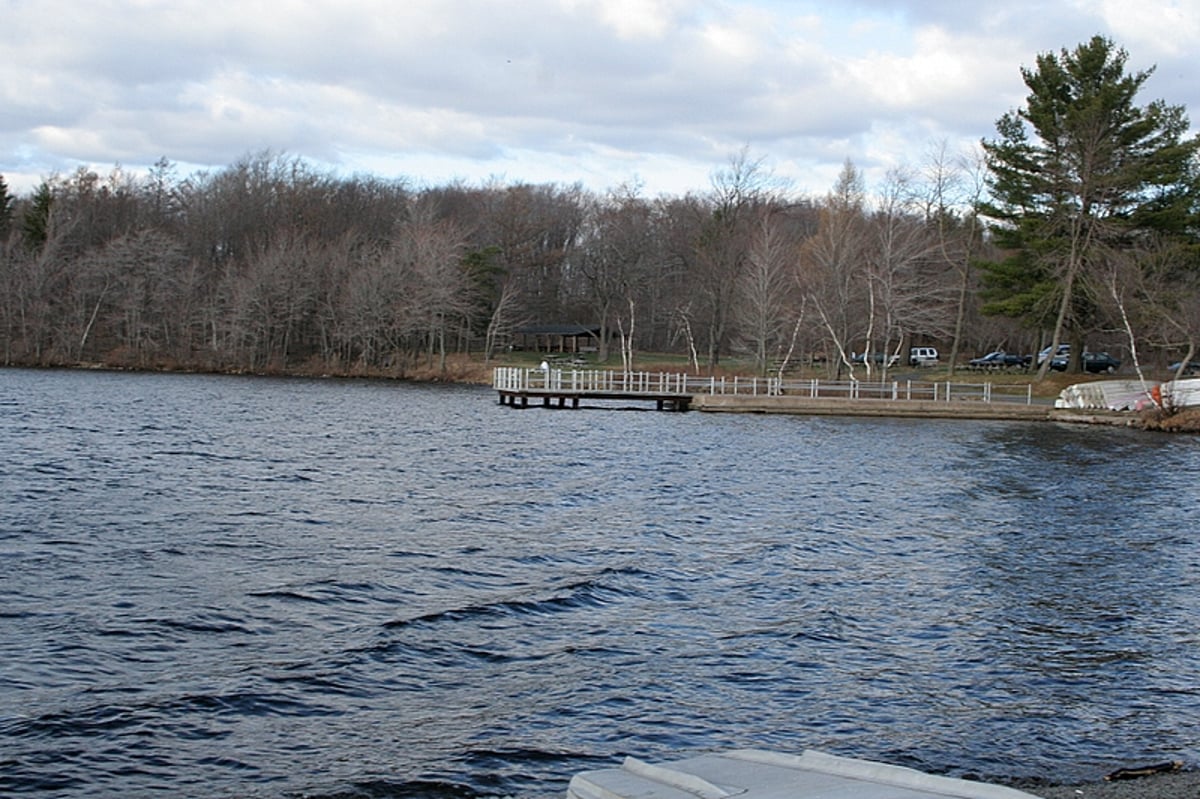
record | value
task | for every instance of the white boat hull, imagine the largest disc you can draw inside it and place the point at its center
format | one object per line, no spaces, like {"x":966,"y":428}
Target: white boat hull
{"x":759,"y":774}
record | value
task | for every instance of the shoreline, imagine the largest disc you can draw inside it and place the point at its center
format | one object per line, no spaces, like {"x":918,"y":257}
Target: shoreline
{"x":466,"y":371}
{"x":1184,"y":784}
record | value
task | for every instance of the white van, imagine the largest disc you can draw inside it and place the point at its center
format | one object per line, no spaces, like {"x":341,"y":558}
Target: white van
{"x":922,"y":356}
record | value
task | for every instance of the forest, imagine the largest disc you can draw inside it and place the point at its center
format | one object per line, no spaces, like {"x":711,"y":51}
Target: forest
{"x":270,"y":265}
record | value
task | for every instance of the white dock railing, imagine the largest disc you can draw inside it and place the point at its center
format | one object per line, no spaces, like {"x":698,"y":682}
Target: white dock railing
{"x":594,"y":382}
{"x":589,"y":381}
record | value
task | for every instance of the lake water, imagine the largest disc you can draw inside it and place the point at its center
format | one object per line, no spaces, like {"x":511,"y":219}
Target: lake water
{"x":217,"y":586}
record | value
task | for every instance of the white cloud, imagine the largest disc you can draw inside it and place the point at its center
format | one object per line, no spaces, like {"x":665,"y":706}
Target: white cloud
{"x":633,"y":19}
{"x":1171,"y":27}
{"x":601,"y":91}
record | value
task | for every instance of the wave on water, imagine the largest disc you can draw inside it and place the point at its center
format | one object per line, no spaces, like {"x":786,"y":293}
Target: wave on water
{"x":322,"y":589}
{"x":586,"y":593}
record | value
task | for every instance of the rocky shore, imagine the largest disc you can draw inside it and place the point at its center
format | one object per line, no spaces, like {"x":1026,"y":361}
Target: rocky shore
{"x":1173,"y":785}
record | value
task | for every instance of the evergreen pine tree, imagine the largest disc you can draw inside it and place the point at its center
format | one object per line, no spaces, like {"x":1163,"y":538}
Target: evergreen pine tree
{"x":1079,"y":170}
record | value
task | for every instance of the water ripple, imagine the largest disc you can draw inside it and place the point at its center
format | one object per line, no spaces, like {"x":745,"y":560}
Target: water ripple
{"x":216,"y":586}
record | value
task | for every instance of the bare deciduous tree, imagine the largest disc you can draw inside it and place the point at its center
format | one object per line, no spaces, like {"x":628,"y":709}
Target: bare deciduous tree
{"x":767,"y":287}
{"x":614,"y":258}
{"x":905,"y":294}
{"x":829,"y":270}
{"x":432,"y":251}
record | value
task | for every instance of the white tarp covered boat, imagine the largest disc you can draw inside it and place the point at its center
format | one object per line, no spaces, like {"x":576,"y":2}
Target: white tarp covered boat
{"x":759,"y":774}
{"x":1181,"y":393}
{"x":1112,"y":395}
{"x":1130,"y":395}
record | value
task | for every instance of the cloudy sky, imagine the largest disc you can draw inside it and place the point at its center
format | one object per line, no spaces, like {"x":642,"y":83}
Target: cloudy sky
{"x":602,"y":92}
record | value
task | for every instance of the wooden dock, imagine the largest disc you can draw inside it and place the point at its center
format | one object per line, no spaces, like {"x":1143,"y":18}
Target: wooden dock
{"x":559,"y":388}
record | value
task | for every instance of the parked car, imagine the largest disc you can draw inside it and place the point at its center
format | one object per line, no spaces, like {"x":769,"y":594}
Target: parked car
{"x":1001,"y":360}
{"x":922,"y":356}
{"x":1094,"y":362}
{"x":1189,"y":368}
{"x":1064,"y":351}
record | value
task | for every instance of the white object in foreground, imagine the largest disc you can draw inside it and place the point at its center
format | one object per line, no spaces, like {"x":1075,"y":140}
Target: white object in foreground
{"x":759,"y":774}
{"x":1182,"y":393}
{"x":1113,"y":395}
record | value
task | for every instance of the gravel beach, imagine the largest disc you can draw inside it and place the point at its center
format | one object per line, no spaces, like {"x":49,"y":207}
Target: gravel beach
{"x":1174,"y":785}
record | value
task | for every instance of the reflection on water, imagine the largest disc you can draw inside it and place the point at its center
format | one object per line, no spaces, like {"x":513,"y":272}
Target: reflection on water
{"x":217,"y":586}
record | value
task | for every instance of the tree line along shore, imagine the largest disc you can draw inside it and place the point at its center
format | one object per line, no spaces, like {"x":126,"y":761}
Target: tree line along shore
{"x":1048,"y":233}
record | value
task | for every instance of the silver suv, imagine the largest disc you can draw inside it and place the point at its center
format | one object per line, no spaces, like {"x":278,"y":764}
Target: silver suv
{"x":1064,"y":351}
{"x":922,"y":356}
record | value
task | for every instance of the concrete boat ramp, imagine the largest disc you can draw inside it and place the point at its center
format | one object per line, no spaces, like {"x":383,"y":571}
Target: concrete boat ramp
{"x":760,"y":774}
{"x":841,"y":406}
